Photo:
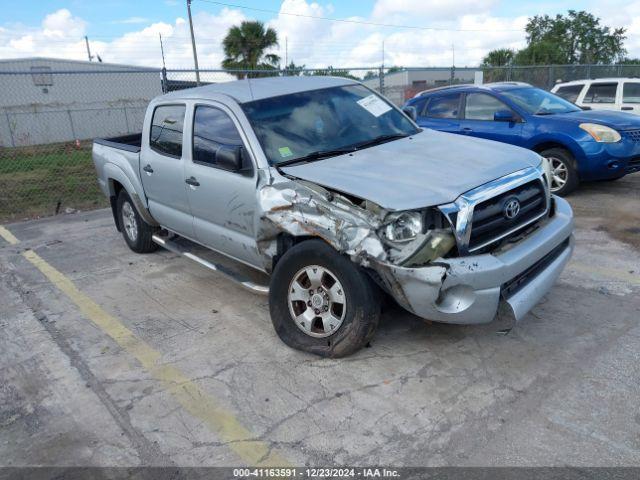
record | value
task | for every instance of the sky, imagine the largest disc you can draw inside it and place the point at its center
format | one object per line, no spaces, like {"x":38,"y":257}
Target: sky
{"x":422,"y":32}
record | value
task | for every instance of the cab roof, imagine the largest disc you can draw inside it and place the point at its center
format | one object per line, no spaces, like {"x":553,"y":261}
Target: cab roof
{"x":247,"y":90}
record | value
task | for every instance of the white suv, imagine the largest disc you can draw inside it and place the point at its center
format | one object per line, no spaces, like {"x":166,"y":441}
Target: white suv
{"x":602,"y":94}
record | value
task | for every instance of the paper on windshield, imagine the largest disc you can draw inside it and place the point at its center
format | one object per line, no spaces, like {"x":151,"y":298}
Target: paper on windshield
{"x":374,"y":105}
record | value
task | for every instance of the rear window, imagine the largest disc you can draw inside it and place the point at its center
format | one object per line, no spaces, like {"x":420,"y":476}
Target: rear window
{"x":601,"y":93}
{"x":631,"y":93}
{"x":167,"y":125}
{"x":444,"y":106}
{"x":570,"y":92}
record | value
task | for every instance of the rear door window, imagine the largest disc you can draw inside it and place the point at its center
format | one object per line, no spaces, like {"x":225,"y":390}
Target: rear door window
{"x":570,"y":92}
{"x":167,"y":125}
{"x":601,"y":93}
{"x":443,"y":106}
{"x":631,"y":93}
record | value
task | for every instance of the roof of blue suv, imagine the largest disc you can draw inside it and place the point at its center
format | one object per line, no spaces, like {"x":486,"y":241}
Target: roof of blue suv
{"x":497,"y":86}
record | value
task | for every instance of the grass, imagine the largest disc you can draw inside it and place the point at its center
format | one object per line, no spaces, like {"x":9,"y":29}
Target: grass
{"x":46,"y":180}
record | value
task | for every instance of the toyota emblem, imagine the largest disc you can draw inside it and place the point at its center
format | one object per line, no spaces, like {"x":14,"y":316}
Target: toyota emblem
{"x":511,"y":209}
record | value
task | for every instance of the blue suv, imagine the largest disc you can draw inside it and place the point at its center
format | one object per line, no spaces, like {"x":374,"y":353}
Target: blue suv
{"x":580,"y":145}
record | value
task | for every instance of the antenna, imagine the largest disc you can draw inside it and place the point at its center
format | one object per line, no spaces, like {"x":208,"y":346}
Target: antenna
{"x":193,"y":44}
{"x":86,"y":41}
{"x":250,"y":89}
{"x":162,"y":50}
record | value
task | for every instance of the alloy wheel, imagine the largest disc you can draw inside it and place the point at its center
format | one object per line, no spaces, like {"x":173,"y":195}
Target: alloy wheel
{"x":129,"y":221}
{"x":317,"y":301}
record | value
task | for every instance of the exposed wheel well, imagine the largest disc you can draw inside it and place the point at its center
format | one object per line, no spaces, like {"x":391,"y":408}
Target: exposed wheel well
{"x":285,"y":242}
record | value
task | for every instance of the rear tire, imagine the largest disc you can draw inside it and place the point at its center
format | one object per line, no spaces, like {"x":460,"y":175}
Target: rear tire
{"x":564,"y":175}
{"x":136,"y":232}
{"x":331,"y":311}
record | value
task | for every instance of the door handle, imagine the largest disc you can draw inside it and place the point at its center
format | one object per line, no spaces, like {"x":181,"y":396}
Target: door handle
{"x":192,"y":181}
{"x":467,"y":130}
{"x":627,"y":108}
{"x":147,"y":168}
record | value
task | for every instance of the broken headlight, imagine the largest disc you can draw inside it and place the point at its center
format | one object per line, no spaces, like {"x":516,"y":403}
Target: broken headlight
{"x":416,"y":238}
{"x":403,"y":227}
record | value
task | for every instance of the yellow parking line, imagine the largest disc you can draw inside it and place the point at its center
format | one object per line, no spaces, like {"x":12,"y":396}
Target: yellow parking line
{"x":8,"y":236}
{"x":197,"y":402}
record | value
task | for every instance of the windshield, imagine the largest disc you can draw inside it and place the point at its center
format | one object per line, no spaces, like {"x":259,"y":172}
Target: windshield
{"x":321,"y":123}
{"x":538,"y":102}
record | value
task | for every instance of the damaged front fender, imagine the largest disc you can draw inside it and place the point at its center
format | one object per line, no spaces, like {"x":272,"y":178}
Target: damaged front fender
{"x":309,"y":210}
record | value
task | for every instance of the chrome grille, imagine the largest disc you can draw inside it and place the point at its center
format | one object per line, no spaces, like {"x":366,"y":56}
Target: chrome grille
{"x":479,"y":217}
{"x":489,"y":221}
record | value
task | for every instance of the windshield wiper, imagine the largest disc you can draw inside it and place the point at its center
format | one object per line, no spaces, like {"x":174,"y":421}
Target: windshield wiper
{"x":317,"y":155}
{"x":379,"y":140}
{"x":320,"y":154}
{"x":544,"y":112}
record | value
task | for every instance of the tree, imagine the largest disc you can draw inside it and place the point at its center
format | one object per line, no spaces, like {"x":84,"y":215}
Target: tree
{"x":245,"y":48}
{"x":499,"y":58}
{"x":575,"y":38}
{"x":294,"y":70}
{"x":332,"y":72}
{"x":578,"y":36}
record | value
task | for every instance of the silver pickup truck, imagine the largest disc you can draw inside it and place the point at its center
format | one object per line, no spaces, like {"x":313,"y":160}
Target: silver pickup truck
{"x":339,"y":197}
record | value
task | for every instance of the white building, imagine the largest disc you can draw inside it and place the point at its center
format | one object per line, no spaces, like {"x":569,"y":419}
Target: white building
{"x":404,"y":84}
{"x":46,"y":100}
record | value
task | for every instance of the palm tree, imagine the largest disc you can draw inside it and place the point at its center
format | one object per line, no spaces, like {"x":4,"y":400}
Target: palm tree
{"x":245,"y":48}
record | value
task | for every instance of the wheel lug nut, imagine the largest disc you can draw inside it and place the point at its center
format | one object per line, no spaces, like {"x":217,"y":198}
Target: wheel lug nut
{"x":317,"y":311}
{"x":309,"y":303}
{"x":311,"y":292}
{"x":326,"y":308}
{"x":319,"y":289}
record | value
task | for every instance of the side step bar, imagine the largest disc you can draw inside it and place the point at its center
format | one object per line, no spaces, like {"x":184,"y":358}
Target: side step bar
{"x":231,"y":275}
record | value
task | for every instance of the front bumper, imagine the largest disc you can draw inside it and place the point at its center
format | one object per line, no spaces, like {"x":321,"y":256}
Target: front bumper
{"x":468,"y":290}
{"x":609,"y":160}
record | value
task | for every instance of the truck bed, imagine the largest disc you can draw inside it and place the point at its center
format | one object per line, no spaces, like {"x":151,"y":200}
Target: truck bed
{"x":130,"y":143}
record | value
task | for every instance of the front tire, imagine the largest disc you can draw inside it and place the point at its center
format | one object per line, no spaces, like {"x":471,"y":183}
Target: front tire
{"x":322,"y":303}
{"x":564,"y":177}
{"x":136,"y":232}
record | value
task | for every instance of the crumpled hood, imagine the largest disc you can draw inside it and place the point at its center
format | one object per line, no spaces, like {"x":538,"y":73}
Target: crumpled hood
{"x":427,"y":169}
{"x":616,"y":120}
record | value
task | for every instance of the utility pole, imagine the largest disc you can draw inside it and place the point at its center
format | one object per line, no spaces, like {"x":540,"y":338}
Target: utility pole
{"x":453,"y":64}
{"x":162,"y":50}
{"x":86,"y":41}
{"x":193,"y":44}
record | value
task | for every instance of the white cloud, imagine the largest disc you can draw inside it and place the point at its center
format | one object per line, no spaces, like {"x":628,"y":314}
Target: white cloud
{"x":392,"y":11}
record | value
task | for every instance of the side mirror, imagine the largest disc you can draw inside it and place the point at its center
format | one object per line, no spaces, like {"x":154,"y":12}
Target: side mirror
{"x":230,"y":158}
{"x":584,"y":107}
{"x":410,"y":112}
{"x":504,"y":116}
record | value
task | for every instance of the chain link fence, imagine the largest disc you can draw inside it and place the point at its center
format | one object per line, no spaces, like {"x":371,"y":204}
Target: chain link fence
{"x":48,"y":117}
